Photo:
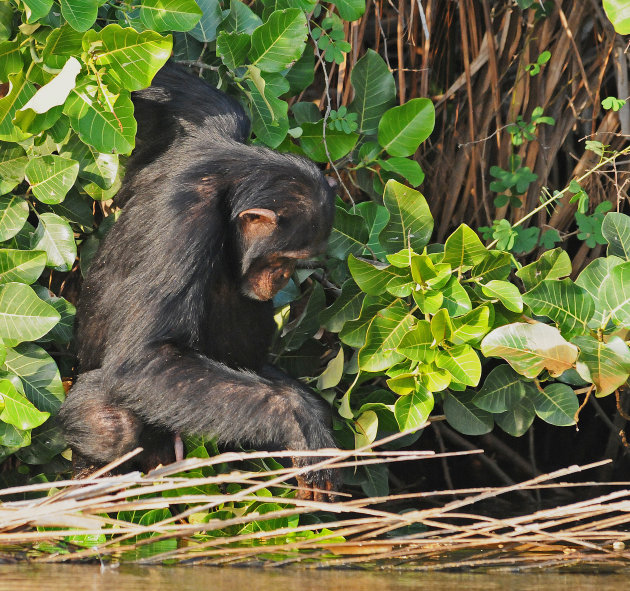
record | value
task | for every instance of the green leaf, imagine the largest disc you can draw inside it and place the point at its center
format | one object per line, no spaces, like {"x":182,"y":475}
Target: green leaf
{"x":405,"y":167}
{"x":416,"y":344}
{"x":366,"y":428}
{"x":62,"y":331}
{"x":12,"y":437}
{"x":464,"y":416}
{"x":13,"y":161}
{"x":556,"y":404}
{"x":241,"y":18}
{"x":206,"y":29}
{"x":616,"y":231}
{"x":18,"y":410}
{"x":54,"y":236}
{"x":402,"y":129}
{"x":455,"y":298}
{"x":518,"y":419}
{"x":22,"y":266}
{"x":374,"y":90}
{"x":107,"y":128}
{"x":269,"y":114}
{"x":355,"y":331}
{"x":615,"y":293}
{"x":51,"y":177}
{"x":371,"y":276}
{"x":567,"y":304}
{"x":20,"y":91}
{"x":23,"y":316}
{"x":376,"y":217}
{"x":463,"y":248}
{"x":553,"y":264}
{"x":412,"y":410}
{"x":13,"y":214}
{"x":607,"y":365}
{"x":350,"y":10}
{"x":506,"y":293}
{"x":332,"y":374}
{"x":232,"y":48}
{"x":36,"y":9}
{"x":60,"y":45}
{"x":470,"y":327}
{"x":279,"y":41}
{"x":170,"y":15}
{"x":96,"y":167}
{"x":39,"y":375}
{"x":10,"y":59}
{"x":80,"y":14}
{"x":346,"y":307}
{"x":462,"y":362}
{"x":337,"y":142}
{"x":349,"y":235}
{"x":410,"y":222}
{"x":502,"y":389}
{"x":618,"y":12}
{"x":530,"y":348}
{"x":383,"y":336}
{"x":132,"y":59}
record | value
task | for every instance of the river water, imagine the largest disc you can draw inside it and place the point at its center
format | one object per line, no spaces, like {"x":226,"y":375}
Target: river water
{"x":43,"y":577}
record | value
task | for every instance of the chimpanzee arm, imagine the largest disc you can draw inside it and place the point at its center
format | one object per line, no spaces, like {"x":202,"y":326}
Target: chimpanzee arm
{"x":190,"y":393}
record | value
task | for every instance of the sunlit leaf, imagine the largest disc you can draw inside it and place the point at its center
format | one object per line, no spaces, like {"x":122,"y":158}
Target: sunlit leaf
{"x":607,"y":365}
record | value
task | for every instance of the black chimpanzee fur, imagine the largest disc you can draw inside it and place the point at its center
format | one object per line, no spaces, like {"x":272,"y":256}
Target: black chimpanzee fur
{"x":168,"y":338}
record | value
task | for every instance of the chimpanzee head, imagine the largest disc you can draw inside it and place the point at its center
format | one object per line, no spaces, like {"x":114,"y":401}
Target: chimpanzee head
{"x":287,"y":218}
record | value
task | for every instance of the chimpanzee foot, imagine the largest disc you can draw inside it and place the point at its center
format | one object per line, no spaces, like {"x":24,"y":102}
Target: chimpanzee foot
{"x":308,"y":491}
{"x":319,"y":485}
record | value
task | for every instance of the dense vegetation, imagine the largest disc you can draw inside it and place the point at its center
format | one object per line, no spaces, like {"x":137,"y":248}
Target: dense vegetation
{"x":404,"y":318}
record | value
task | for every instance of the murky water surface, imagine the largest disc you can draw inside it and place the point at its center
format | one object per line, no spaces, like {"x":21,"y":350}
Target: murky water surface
{"x":24,"y":577}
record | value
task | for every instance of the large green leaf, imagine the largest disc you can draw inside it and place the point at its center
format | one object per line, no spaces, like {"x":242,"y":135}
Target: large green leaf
{"x":518,"y":419}
{"x":463,"y":248}
{"x":418,"y":344}
{"x":530,"y":348}
{"x":279,"y":41}
{"x":315,"y":144}
{"x":567,"y":304}
{"x":39,"y":375}
{"x":269,"y":113}
{"x":241,"y":18}
{"x":23,"y":266}
{"x":462,"y":362}
{"x":54,"y":236}
{"x":383,"y":336}
{"x":593,"y":279}
{"x":13,"y":161}
{"x":20,"y":91}
{"x":132,"y":59}
{"x":206,"y":29}
{"x":402,"y":129}
{"x":350,"y":10}
{"x":470,"y":327}
{"x":553,"y":264}
{"x":410,"y":222}
{"x":10,"y":59}
{"x":60,"y":45}
{"x":505,"y":292}
{"x":349,"y":235}
{"x":232,"y":48}
{"x":464,"y":416}
{"x":80,"y":14}
{"x":62,"y":331}
{"x":371,"y":276}
{"x":23,"y":316}
{"x":94,"y":166}
{"x":36,"y":9}
{"x":455,"y":298}
{"x":412,"y":410}
{"x":346,"y":307}
{"x":409,"y":169}
{"x":616,"y":230}
{"x":502,"y":389}
{"x":374,"y":90}
{"x":607,"y":365}
{"x":51,"y":177}
{"x":376,"y":217}
{"x":170,"y":15}
{"x":18,"y":410}
{"x":618,"y":11}
{"x":615,"y":294}
{"x":556,"y":404}
{"x":13,"y":214}
{"x":495,"y":265}
{"x":109,"y":127}
{"x":355,"y":331}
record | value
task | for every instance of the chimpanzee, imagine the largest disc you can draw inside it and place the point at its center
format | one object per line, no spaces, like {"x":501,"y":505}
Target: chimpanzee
{"x":175,"y":318}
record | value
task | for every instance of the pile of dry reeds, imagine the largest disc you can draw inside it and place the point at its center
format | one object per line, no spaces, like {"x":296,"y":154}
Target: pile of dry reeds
{"x":362,"y":531}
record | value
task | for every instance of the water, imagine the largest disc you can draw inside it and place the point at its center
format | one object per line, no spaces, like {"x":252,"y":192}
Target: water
{"x":59,"y":577}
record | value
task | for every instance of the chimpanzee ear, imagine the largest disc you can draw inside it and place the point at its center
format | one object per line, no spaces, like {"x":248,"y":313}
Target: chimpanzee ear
{"x":257,"y":223}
